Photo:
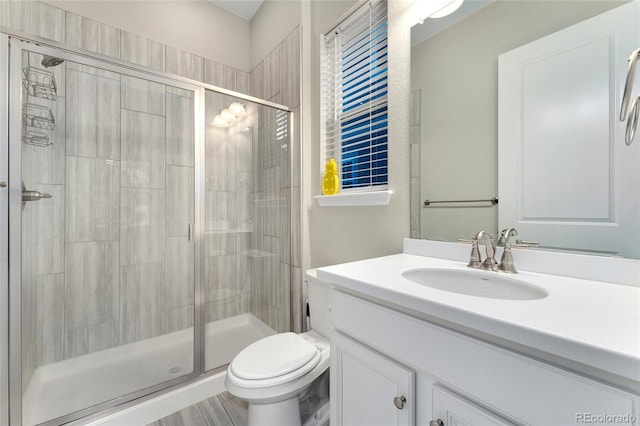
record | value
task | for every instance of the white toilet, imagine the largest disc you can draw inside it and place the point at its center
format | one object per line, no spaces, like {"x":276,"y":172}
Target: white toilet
{"x":272,"y":373}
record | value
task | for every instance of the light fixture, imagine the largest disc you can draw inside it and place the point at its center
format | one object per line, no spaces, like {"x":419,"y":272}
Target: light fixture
{"x":227,"y":115}
{"x":237,"y":108}
{"x":447,"y":10}
{"x":220,"y":122}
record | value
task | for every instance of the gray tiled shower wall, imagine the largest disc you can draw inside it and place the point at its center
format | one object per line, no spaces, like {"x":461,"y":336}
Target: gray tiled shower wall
{"x":89,"y":281}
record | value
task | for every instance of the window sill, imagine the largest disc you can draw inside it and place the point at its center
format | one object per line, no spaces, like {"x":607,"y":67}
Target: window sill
{"x":373,"y":198}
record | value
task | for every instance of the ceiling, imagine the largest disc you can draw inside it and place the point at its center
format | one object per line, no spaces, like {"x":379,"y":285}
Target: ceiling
{"x":243,"y":8}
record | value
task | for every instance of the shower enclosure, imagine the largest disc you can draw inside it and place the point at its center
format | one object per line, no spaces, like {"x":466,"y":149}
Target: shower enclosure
{"x":143,"y":246}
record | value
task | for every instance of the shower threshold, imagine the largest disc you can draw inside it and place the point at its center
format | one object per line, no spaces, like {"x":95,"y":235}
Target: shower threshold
{"x":74,"y":384}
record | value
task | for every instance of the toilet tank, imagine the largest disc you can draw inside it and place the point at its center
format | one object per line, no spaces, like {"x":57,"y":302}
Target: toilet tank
{"x":319,"y":297}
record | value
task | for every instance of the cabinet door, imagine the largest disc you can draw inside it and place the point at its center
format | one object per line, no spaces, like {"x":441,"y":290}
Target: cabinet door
{"x":367,"y":388}
{"x":453,"y":410}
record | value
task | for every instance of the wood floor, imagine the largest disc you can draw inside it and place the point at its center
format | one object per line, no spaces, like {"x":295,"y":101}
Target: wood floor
{"x":220,"y":410}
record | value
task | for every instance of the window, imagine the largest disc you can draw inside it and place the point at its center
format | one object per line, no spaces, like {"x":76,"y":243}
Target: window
{"x":354,"y":79}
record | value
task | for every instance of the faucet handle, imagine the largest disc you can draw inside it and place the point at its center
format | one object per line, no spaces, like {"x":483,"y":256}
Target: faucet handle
{"x":505,"y":234}
{"x":509,"y":232}
{"x":486,"y":238}
{"x":502,"y":241}
{"x":506,"y":262}
{"x":475,"y":261}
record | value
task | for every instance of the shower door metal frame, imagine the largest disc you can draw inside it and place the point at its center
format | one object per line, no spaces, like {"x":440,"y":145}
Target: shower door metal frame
{"x":14,"y":147}
{"x":4,"y":230}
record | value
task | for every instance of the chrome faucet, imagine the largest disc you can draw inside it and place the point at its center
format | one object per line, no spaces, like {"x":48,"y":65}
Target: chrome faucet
{"x":490,"y":262}
{"x":506,"y":262}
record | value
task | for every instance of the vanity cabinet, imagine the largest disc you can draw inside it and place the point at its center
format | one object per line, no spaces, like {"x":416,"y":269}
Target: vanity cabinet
{"x":367,"y":388}
{"x":462,"y":380}
{"x":450,"y":409}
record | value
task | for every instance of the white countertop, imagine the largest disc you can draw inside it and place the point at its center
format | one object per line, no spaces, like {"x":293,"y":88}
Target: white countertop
{"x":590,"y":322}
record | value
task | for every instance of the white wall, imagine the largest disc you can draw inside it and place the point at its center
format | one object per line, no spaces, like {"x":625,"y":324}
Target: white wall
{"x":341,"y":234}
{"x":195,"y":26}
{"x":270,"y":25}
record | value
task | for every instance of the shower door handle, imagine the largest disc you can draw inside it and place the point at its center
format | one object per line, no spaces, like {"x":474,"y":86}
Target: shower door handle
{"x":3,"y":184}
{"x":32,"y":195}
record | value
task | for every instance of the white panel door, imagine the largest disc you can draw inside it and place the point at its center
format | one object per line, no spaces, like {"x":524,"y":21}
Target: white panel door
{"x":368,"y":389}
{"x":566,"y":177}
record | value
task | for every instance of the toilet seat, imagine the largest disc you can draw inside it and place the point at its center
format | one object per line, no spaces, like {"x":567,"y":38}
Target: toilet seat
{"x":274,"y":360}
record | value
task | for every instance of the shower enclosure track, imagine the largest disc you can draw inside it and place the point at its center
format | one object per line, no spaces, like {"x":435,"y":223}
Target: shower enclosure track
{"x":106,"y":60}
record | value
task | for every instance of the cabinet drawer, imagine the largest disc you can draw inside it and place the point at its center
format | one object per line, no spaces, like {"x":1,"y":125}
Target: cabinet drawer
{"x":452,"y":409}
{"x":515,"y":386}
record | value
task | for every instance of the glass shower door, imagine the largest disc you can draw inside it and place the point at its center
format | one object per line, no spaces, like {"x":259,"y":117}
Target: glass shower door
{"x":107,"y":271}
{"x":247,"y":229}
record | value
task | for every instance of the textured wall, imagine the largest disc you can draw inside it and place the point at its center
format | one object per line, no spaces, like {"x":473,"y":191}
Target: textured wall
{"x":196,"y":26}
{"x":264,"y":34}
{"x":342,"y":234}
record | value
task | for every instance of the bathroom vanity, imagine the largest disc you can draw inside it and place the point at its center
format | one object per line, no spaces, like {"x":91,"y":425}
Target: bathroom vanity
{"x":405,"y":352}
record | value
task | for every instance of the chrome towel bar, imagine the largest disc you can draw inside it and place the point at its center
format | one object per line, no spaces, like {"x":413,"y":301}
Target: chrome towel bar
{"x":493,"y":201}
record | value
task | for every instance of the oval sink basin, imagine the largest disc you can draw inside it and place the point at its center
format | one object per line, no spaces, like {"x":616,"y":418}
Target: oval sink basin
{"x":475,"y":283}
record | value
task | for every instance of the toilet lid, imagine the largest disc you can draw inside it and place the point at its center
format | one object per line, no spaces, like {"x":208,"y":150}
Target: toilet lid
{"x":273,"y":356}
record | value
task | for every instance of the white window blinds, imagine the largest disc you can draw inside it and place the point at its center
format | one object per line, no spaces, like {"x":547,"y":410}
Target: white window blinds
{"x":354,"y":82}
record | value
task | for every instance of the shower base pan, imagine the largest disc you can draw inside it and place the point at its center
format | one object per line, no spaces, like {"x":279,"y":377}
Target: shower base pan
{"x":67,"y":386}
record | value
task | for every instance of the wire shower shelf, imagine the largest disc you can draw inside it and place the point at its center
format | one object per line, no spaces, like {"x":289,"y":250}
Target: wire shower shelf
{"x":38,"y":117}
{"x":39,"y":83}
